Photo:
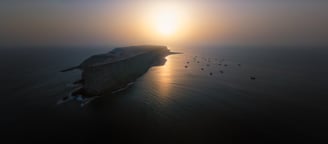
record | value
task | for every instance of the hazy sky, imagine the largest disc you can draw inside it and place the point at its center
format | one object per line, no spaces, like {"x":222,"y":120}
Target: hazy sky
{"x":126,"y":22}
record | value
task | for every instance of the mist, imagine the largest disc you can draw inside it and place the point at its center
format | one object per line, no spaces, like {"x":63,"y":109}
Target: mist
{"x":111,"y":22}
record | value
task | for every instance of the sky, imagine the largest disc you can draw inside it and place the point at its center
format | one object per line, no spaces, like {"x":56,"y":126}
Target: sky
{"x":174,"y":23}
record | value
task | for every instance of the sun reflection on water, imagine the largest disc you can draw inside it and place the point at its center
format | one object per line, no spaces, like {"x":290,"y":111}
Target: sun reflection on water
{"x":162,"y":78}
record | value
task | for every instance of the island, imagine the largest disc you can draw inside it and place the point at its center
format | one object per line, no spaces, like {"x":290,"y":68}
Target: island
{"x":112,"y":71}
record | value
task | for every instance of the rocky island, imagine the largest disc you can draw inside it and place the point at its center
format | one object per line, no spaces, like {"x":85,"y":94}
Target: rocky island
{"x":105,"y":73}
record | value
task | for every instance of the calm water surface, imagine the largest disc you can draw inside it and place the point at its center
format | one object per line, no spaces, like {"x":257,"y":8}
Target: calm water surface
{"x":171,"y":103}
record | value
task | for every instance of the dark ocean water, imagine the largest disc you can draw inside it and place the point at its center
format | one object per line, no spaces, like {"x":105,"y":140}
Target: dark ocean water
{"x":171,"y":104}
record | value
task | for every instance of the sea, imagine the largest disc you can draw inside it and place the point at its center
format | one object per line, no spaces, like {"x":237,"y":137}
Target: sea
{"x":207,"y":94}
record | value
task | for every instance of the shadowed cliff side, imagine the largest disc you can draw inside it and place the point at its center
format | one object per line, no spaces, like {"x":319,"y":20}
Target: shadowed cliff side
{"x":116,"y":69}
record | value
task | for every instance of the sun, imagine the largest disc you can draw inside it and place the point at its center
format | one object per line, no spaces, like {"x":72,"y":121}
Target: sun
{"x":166,"y":23}
{"x":166,"y":18}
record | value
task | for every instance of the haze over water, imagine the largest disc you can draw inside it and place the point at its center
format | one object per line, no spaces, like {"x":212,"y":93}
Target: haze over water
{"x":287,"y":101}
{"x":205,"y":95}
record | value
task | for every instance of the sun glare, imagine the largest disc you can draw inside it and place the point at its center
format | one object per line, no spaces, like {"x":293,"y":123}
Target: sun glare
{"x":166,"y":23}
{"x":166,"y":18}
